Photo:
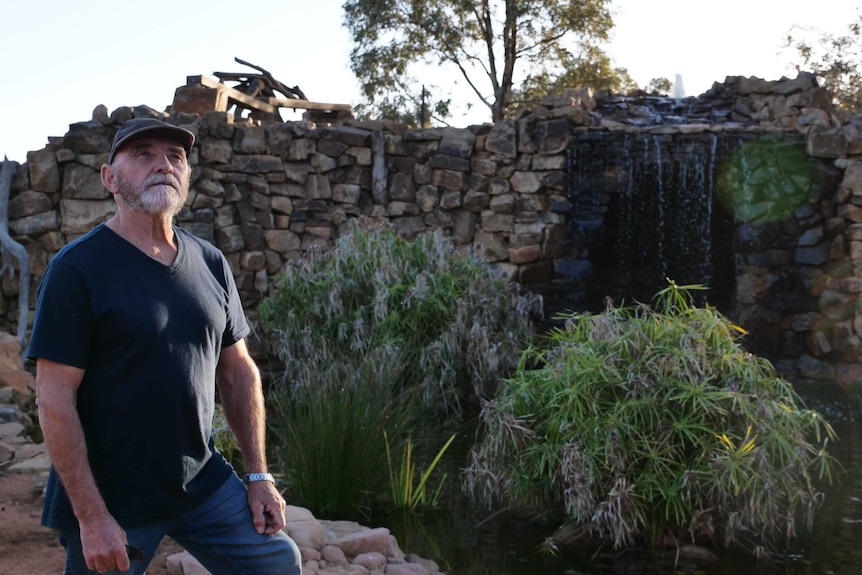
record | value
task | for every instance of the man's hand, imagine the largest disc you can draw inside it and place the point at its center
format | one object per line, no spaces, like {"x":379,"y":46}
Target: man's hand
{"x":267,"y":507}
{"x":103,"y":542}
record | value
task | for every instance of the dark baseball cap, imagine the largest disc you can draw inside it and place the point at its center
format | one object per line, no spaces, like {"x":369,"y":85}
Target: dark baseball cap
{"x":150,"y":127}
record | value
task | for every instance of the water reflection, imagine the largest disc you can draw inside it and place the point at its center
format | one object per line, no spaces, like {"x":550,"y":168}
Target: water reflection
{"x":464,"y":544}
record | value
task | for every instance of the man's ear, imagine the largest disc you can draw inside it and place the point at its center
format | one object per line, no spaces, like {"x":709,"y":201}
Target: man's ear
{"x":109,"y":178}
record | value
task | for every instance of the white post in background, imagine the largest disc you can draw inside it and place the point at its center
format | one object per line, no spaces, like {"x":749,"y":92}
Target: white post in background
{"x":678,"y":91}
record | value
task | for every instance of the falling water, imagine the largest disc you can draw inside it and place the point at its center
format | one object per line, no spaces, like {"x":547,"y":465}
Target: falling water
{"x":644,"y":213}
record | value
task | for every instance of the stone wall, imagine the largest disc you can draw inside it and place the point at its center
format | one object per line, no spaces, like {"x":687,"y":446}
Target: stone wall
{"x":267,"y":194}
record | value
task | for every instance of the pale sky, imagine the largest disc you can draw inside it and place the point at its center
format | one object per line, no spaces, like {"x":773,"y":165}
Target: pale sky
{"x":59,"y":59}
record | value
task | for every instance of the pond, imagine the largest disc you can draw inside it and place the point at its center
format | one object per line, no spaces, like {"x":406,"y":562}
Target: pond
{"x":466,"y":544}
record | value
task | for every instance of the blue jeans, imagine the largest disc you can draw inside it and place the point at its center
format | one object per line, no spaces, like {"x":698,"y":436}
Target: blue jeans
{"x":219,"y":533}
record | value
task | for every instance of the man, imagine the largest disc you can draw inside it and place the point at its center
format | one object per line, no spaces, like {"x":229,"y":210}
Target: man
{"x":136,"y":324}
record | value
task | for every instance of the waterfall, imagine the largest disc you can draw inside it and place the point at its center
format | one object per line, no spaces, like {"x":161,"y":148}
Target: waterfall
{"x":643,"y":212}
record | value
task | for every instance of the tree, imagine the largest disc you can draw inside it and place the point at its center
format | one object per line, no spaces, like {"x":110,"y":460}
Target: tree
{"x":10,"y":247}
{"x":590,"y":68}
{"x":659,"y":86}
{"x":836,"y":61}
{"x":492,"y":45}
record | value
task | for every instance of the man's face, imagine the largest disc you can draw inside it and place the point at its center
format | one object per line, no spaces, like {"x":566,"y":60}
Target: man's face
{"x":152,"y":175}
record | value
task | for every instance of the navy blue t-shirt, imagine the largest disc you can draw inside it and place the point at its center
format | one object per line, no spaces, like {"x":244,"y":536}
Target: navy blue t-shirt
{"x":148,"y":337}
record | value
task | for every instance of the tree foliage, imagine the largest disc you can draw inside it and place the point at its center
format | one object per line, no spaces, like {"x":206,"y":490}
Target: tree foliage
{"x":503,"y":50}
{"x":835,"y":60}
{"x":659,"y":86}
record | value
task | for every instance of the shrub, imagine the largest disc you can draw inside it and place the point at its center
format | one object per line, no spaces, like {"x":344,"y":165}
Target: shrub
{"x":640,"y":423}
{"x":410,"y":330}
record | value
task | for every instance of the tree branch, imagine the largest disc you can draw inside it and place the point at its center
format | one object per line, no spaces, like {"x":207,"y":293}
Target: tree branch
{"x":10,"y":246}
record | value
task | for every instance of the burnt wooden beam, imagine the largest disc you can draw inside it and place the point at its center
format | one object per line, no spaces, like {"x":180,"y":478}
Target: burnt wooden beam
{"x":233,"y":94}
{"x":306,"y":105}
{"x":295,"y":91}
{"x":269,"y":105}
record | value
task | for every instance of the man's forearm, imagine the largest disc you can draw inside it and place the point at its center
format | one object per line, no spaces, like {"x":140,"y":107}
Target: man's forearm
{"x":245,"y":415}
{"x":64,"y":437}
{"x":242,"y":399}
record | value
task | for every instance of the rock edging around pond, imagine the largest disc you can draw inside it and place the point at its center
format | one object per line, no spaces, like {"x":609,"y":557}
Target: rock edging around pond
{"x":333,"y":548}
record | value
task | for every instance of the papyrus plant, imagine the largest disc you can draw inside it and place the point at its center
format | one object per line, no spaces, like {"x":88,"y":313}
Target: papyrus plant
{"x":642,"y":422}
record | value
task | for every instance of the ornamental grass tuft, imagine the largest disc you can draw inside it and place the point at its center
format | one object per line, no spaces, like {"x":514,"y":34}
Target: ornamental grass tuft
{"x":638,"y":423}
{"x":382,"y":334}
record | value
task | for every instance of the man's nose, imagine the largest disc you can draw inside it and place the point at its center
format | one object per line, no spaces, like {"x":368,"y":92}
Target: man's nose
{"x":163,"y":164}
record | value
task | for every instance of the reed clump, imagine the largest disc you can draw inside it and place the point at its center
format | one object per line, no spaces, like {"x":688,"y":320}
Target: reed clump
{"x":644,"y":422}
{"x":383,"y":335}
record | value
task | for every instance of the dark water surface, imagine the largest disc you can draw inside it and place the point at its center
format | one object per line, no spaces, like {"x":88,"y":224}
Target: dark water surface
{"x":464,"y":544}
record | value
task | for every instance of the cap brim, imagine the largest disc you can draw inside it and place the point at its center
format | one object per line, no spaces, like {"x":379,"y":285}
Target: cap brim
{"x":181,"y":135}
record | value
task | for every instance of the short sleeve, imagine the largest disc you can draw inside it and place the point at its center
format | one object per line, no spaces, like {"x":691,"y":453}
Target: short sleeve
{"x":63,"y":319}
{"x":237,"y":325}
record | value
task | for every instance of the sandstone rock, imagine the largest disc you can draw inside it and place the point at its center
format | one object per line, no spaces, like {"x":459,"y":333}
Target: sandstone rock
{"x":826,"y":142}
{"x":80,"y":216}
{"x":370,"y":561}
{"x":334,"y":555}
{"x":37,"y":463}
{"x":448,"y":179}
{"x":255,"y":164}
{"x":502,"y":139}
{"x":303,"y":528}
{"x":282,"y":241}
{"x":249,"y":140}
{"x":29,"y":203}
{"x":525,"y":254}
{"x":87,"y":137}
{"x":83,"y":183}
{"x":7,"y":455}
{"x":526,"y":182}
{"x":406,"y":569}
{"x":363,"y":542}
{"x":696,"y":553}
{"x":494,"y":222}
{"x":12,"y":414}
{"x":216,"y":151}
{"x":12,"y":372}
{"x":44,"y":171}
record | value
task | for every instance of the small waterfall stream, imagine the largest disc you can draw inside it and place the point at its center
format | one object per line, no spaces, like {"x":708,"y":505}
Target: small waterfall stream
{"x":644,"y":211}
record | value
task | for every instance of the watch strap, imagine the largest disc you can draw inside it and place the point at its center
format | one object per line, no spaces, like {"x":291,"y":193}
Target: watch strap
{"x":250,"y":477}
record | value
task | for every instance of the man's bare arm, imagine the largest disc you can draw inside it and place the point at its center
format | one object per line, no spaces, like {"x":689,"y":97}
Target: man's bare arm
{"x":103,"y":540}
{"x":242,"y":398}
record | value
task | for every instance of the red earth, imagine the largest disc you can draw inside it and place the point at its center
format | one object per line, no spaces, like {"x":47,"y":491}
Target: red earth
{"x":27,"y":548}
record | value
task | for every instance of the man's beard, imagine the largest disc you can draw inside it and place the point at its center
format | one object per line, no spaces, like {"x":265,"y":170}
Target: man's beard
{"x":159,"y":194}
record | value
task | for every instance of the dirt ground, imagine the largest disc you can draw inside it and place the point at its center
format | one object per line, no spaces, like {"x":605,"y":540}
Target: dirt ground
{"x":27,"y":548}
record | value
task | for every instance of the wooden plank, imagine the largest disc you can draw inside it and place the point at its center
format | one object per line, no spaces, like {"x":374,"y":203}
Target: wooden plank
{"x":199,"y":100}
{"x":247,"y":100}
{"x":204,"y":81}
{"x":306,"y":105}
{"x":232,"y":93}
{"x":262,"y":105}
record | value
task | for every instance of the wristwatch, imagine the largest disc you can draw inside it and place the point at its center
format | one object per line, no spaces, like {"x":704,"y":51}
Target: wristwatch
{"x":258,"y":477}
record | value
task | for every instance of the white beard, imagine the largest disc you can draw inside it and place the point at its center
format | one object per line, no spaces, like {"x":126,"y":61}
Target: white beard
{"x":159,"y":194}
